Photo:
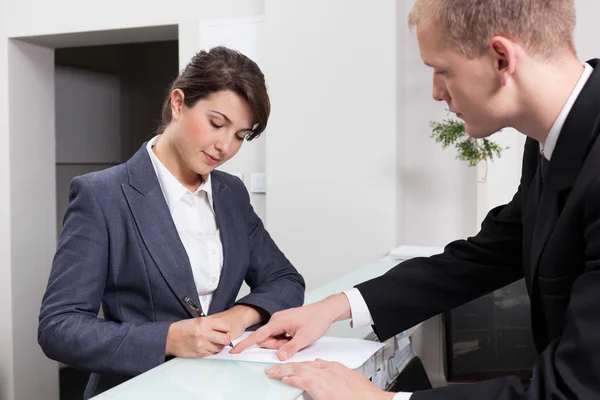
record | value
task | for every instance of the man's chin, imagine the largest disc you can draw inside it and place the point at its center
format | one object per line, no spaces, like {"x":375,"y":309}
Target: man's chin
{"x":478,"y":132}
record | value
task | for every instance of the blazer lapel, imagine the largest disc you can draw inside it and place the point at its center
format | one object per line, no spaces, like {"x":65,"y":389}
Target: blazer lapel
{"x":547,"y":211}
{"x":157,"y":229}
{"x":531,"y":194}
{"x":222,"y":196}
{"x":574,"y":143}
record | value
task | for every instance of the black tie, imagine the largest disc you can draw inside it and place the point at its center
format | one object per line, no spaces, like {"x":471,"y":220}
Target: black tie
{"x":543,"y":166}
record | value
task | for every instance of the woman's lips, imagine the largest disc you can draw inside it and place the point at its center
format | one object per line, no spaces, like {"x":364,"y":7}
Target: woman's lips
{"x":210,"y":159}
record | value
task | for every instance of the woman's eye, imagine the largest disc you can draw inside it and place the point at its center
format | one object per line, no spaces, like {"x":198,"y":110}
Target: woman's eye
{"x":241,"y":139}
{"x":214,"y":125}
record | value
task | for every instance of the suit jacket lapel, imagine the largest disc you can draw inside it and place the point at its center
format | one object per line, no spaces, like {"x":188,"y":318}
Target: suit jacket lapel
{"x":531,"y":194}
{"x":222,"y":200}
{"x":157,"y":229}
{"x":573,"y":145}
{"x":547,"y":213}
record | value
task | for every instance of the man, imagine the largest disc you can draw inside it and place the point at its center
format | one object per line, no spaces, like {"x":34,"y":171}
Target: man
{"x":496,"y":63}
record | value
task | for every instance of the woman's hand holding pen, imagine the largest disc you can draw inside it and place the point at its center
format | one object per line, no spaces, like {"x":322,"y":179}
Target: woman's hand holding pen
{"x":207,"y":335}
{"x":197,"y":337}
{"x":239,"y":318}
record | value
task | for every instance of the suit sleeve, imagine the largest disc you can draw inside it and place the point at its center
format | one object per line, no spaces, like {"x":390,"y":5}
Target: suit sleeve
{"x":275,"y":284}
{"x":69,"y":330}
{"x":569,"y":368}
{"x":420,"y":288}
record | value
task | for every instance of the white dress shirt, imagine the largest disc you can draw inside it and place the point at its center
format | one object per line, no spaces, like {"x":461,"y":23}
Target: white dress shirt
{"x":358,"y":307}
{"x":195,"y":219}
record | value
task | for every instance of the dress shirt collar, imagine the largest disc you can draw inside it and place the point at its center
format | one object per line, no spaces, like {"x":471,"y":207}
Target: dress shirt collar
{"x":548,"y":148}
{"x":174,"y":190}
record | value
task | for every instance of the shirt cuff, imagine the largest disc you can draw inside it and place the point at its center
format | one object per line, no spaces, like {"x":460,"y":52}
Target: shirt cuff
{"x":358,"y":308}
{"x":402,"y":396}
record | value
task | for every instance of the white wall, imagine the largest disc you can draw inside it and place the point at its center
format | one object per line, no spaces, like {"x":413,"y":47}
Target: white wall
{"x":351,"y":153}
{"x":587,"y":26}
{"x":65,"y":16}
{"x":33,"y":206}
{"x":6,"y":332}
{"x":331,"y":146}
{"x":438,"y":193}
{"x":499,"y":180}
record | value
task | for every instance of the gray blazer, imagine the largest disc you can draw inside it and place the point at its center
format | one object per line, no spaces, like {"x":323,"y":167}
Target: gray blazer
{"x":119,"y":247}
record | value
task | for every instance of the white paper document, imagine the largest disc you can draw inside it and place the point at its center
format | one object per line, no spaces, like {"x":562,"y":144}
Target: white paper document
{"x":350,"y":352}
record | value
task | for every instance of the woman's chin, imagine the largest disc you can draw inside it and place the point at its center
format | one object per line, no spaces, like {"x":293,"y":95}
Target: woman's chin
{"x":203,"y":170}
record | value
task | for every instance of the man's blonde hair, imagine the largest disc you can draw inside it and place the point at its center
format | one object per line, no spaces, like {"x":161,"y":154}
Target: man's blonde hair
{"x":543,"y":27}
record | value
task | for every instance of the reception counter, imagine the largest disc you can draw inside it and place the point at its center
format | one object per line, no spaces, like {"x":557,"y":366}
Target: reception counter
{"x":183,"y":378}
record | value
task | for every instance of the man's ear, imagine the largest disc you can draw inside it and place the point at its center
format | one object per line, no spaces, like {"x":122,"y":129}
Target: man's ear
{"x":504,"y":56}
{"x":177,"y":103}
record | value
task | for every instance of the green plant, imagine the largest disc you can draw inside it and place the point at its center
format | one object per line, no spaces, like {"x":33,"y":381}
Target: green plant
{"x":472,"y":150}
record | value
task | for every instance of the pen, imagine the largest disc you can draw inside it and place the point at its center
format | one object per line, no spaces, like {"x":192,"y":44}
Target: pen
{"x":197,"y":310}
{"x":193,"y":306}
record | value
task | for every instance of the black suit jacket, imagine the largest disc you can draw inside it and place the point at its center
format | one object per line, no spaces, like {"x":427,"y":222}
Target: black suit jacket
{"x":549,"y":234}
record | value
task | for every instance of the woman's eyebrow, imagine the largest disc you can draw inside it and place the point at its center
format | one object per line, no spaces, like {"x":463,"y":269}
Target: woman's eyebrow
{"x":228,"y":120}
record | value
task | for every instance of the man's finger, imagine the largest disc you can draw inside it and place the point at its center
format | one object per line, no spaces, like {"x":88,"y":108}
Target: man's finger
{"x":302,"y":375}
{"x":320,"y":363}
{"x":258,"y":336}
{"x":299,"y":382}
{"x":290,"y":348}
{"x":289,"y":369}
{"x":273,"y":343}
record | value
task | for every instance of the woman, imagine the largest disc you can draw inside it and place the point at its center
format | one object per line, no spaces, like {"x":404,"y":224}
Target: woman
{"x":164,"y":233}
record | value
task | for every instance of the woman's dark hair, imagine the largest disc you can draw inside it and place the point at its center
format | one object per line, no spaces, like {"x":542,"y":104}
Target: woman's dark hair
{"x":219,"y":69}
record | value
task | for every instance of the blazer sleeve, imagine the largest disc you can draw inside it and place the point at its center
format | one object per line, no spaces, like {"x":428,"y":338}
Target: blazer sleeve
{"x":69,"y":330}
{"x":569,"y":367}
{"x":275,"y":284}
{"x":420,"y":288}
